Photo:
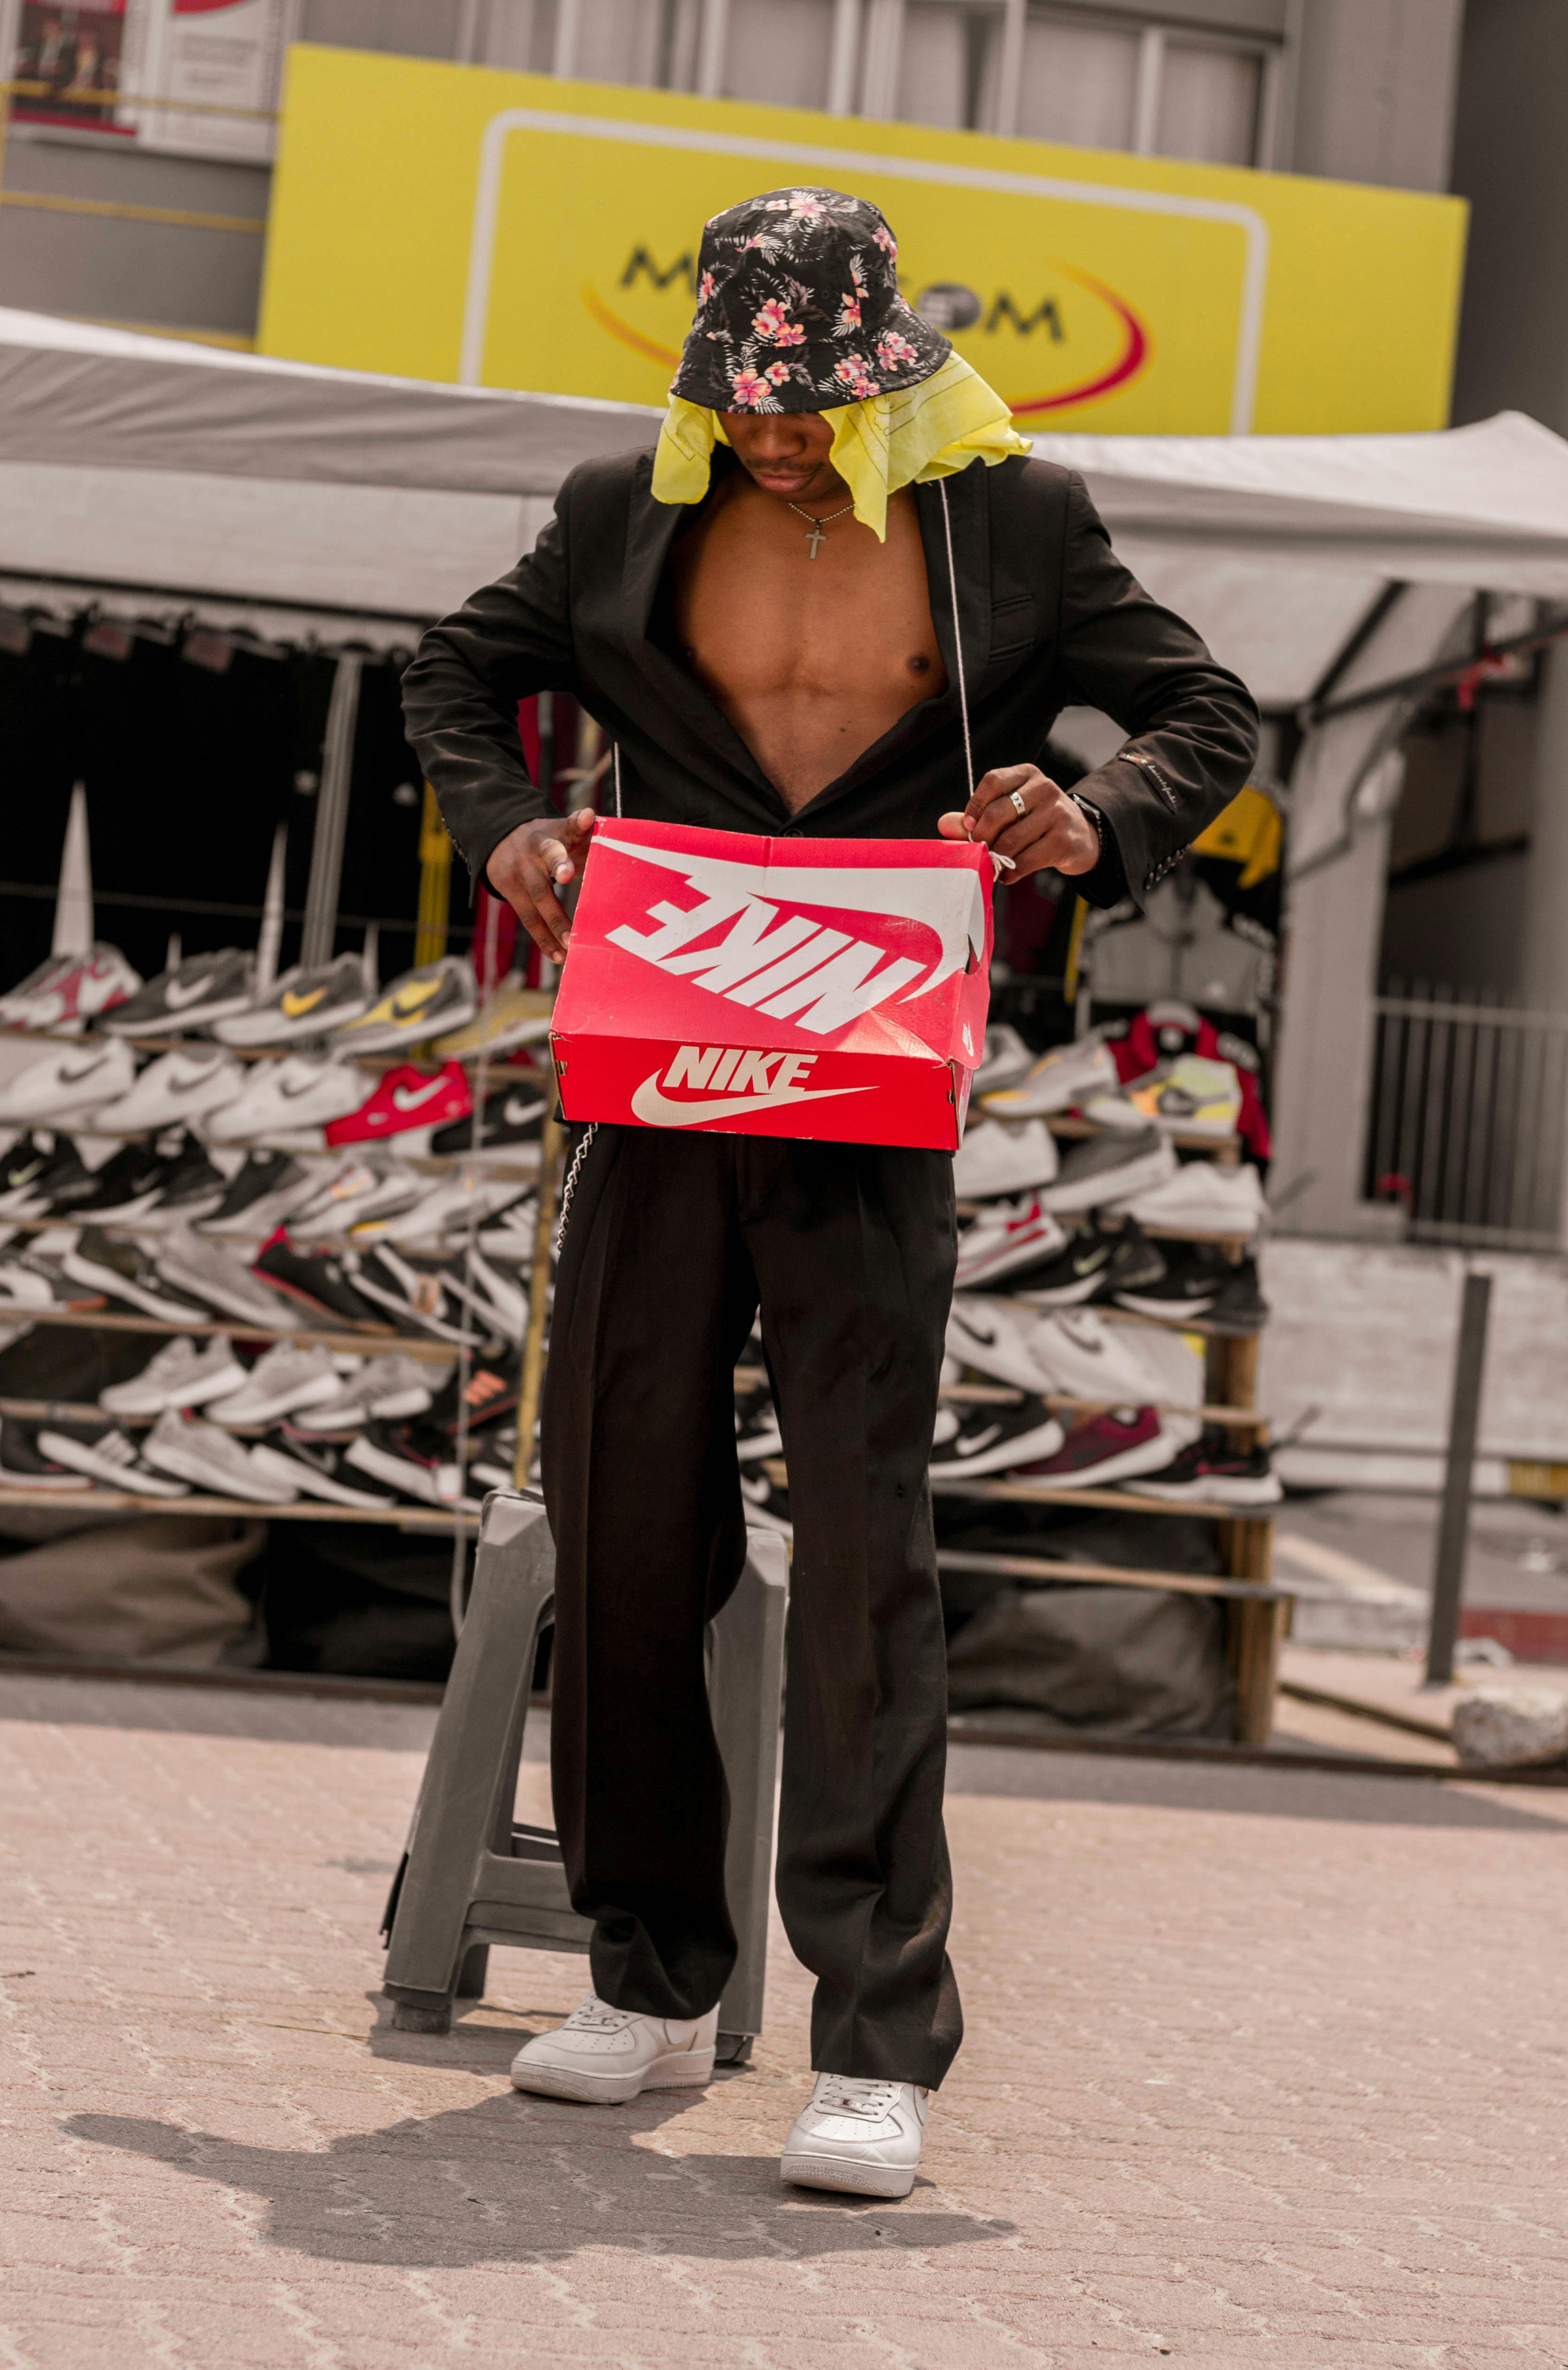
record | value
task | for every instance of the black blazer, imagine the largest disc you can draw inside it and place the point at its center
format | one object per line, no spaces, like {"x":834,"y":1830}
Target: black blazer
{"x":1048,"y":618}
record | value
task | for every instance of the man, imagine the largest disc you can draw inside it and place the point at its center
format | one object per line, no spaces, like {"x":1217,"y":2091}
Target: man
{"x":835,"y":593}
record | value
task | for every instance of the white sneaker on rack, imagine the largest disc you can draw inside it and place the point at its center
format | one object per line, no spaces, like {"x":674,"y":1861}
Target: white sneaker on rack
{"x":858,"y":2134}
{"x":605,"y":2055}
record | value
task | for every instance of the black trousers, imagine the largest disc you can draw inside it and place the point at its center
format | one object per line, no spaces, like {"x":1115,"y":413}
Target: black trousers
{"x":672,"y":1243}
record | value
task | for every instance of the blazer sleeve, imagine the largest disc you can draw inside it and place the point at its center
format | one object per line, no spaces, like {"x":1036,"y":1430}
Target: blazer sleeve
{"x":460,"y":695}
{"x":1192,"y":727}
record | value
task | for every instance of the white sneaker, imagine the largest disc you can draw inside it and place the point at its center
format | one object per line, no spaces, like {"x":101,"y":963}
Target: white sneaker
{"x":1005,"y":1236}
{"x":999,"y":1157}
{"x":861,"y":2135}
{"x":1004,"y":1060}
{"x":181,"y":1085}
{"x":606,"y":2056}
{"x":1058,"y":1079}
{"x":181,"y":1376}
{"x":290,"y":1102}
{"x":68,"y":1084}
{"x":292,"y":1374}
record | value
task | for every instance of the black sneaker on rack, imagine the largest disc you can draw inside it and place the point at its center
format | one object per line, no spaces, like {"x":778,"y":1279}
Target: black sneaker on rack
{"x":491,"y":1391}
{"x":202,"y":989}
{"x":193,"y":1187}
{"x":1195,"y":1273}
{"x":124,"y":1272}
{"x":260,"y":1195}
{"x":1097,"y":1263}
{"x":319,"y":1281}
{"x":1210,"y":1469}
{"x":418,"y":1296}
{"x":416,"y":1461}
{"x":30,"y":1168}
{"x":992,"y":1438}
{"x":1238,"y":1309}
{"x":513,"y":1114}
{"x":129,"y":1182}
{"x":494,"y":1467}
{"x":23,"y":1465}
{"x":316,"y":1469}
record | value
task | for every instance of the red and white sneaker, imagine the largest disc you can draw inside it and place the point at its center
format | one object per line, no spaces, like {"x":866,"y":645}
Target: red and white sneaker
{"x":1114,"y":1446}
{"x":1007,"y":1236}
{"x":68,"y":991}
{"x":407,"y":1103}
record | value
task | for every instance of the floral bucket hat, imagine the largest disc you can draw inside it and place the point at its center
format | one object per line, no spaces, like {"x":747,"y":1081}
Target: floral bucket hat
{"x":798,"y":309}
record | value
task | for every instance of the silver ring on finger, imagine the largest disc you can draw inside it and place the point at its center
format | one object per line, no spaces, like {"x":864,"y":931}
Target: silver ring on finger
{"x":1018,"y":799}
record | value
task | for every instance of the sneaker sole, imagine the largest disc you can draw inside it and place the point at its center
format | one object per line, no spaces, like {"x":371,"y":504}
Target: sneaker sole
{"x":688,"y":2072}
{"x":1218,"y":1493}
{"x":1112,"y":1185}
{"x":1141,"y":1304}
{"x":1125,"y":1466}
{"x":844,"y":2173}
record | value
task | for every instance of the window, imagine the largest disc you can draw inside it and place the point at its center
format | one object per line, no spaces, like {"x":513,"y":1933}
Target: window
{"x":780,"y":50}
{"x":1079,"y":84}
{"x":1208,"y":103}
{"x":1157,"y":92}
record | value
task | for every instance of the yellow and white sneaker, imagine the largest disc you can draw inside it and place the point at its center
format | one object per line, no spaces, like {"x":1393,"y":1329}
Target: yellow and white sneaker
{"x":1194,"y":1097}
{"x":859,"y":2136}
{"x":434,"y":1001}
{"x":605,"y":2055}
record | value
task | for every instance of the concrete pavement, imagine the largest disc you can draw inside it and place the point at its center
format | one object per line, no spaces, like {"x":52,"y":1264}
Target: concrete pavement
{"x":1262,"y":2068}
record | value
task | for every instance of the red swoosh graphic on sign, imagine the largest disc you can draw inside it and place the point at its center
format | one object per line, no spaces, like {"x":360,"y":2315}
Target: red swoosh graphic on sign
{"x":650,"y":351}
{"x":1131,"y":359}
{"x":1134,"y":354}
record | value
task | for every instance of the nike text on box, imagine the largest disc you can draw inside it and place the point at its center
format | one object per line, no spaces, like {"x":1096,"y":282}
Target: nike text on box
{"x":828,"y":988}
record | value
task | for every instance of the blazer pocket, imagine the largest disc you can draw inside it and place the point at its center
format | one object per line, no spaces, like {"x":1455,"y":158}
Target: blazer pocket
{"x":1013,"y":630}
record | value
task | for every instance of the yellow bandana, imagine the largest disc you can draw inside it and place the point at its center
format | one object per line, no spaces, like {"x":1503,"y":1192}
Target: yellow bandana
{"x":888,"y":441}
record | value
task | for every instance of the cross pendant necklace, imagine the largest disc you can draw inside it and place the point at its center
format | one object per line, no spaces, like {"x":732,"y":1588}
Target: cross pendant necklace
{"x":817,"y":537}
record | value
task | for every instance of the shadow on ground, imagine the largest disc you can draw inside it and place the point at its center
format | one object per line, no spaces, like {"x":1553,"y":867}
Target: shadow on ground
{"x":529,"y":2180}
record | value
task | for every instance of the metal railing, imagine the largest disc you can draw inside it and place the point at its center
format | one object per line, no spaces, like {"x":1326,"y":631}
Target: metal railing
{"x":1466,"y":1121}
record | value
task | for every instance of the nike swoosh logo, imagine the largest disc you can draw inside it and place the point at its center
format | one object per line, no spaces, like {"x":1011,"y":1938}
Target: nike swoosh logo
{"x":656,"y":1110}
{"x":296,"y":1006}
{"x":408,"y":1099}
{"x":404,"y":1003}
{"x":178,"y":997}
{"x":518,"y":1114}
{"x":981,"y":1440}
{"x":71,"y":1077}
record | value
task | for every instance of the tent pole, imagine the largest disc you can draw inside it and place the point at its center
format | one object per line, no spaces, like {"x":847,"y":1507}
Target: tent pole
{"x":331,"y":815}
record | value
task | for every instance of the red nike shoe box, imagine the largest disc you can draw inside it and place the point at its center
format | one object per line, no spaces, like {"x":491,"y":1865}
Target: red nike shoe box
{"x":835,"y":989}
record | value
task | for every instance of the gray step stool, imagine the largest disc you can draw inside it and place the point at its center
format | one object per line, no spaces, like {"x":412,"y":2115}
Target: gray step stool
{"x":472,"y":1875}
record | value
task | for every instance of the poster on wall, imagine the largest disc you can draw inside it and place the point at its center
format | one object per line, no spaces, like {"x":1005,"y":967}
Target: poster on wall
{"x":209,"y":68}
{"x":548,"y":241}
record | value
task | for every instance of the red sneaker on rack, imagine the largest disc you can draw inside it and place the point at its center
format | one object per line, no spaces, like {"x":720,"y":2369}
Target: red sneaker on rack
{"x":407,"y":1103}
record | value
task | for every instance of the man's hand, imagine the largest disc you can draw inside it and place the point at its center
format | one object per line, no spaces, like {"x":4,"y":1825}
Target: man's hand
{"x":530,"y":864}
{"x":1052,"y":834}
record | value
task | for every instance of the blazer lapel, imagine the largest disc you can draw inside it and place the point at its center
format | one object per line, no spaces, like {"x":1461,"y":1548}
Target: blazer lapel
{"x":651,"y":530}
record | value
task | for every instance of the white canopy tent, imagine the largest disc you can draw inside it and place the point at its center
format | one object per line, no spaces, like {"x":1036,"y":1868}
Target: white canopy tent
{"x":149,"y":476}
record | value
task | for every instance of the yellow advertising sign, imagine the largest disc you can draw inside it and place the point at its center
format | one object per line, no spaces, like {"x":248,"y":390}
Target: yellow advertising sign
{"x":511,"y":230}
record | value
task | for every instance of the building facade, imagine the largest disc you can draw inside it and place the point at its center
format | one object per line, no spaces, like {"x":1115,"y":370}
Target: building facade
{"x":157,"y":218}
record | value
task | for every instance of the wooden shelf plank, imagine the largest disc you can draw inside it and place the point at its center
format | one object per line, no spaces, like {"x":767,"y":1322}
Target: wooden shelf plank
{"x":299,"y":1510}
{"x":1108,"y":1575}
{"x":369,"y":1343}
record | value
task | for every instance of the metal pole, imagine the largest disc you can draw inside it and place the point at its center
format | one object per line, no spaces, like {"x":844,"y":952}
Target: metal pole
{"x":538,"y":1296}
{"x":331,"y":815}
{"x":1453,"y":1528}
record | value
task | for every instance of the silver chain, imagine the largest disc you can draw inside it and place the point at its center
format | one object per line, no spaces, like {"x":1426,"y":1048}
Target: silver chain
{"x":569,"y":1187}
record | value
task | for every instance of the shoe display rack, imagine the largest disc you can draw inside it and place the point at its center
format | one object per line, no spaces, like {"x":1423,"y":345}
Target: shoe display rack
{"x":97,"y":1500}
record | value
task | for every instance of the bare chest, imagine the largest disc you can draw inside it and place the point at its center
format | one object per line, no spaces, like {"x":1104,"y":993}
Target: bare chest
{"x":770,"y":605}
